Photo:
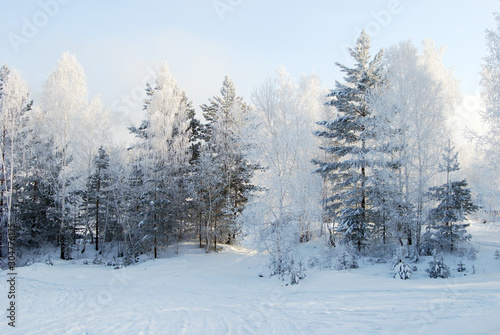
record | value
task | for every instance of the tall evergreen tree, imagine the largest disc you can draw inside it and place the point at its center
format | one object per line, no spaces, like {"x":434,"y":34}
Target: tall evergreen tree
{"x":165,"y":154}
{"x":225,"y":116}
{"x":352,"y":136}
{"x":98,"y":193}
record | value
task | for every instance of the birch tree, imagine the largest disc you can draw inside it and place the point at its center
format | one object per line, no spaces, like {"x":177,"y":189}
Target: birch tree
{"x":419,"y":96}
{"x":14,"y":104}
{"x":286,"y":209}
{"x":64,"y":100}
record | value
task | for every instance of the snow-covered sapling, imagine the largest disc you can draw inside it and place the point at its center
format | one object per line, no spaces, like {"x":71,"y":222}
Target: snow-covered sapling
{"x":347,"y":259}
{"x":402,"y":270}
{"x":437,"y":268}
{"x":497,"y":254}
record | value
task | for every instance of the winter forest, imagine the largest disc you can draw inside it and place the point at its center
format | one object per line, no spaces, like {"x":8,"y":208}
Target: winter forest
{"x":366,"y":168}
{"x":369,"y":163}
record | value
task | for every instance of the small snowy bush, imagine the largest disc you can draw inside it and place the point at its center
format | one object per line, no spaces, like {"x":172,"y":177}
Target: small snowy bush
{"x":471,"y":255}
{"x":402,"y":270}
{"x":286,"y":267}
{"x":346,"y":258}
{"x":437,"y":268}
{"x":497,"y":254}
{"x":97,"y":260}
{"x":461,"y":267}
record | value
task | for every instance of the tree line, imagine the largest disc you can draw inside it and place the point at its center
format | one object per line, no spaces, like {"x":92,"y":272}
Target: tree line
{"x":369,"y":164}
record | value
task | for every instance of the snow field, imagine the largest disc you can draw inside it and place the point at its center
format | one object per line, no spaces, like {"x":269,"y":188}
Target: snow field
{"x":222,"y":293}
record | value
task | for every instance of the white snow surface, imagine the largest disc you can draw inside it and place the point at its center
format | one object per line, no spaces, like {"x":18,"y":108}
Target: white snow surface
{"x":222,"y":293}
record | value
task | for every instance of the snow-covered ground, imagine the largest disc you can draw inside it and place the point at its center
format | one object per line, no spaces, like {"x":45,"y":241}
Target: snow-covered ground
{"x":222,"y":293}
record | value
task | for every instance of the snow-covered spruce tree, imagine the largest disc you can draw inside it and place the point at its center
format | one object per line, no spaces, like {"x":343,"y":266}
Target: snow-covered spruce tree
{"x":402,"y":270}
{"x":437,"y":267}
{"x":97,"y":196}
{"x":225,"y":116}
{"x":286,"y":210}
{"x":164,"y":156}
{"x":36,"y":186}
{"x":93,"y":133}
{"x":352,"y":142}
{"x":445,"y":230}
{"x":14,"y":106}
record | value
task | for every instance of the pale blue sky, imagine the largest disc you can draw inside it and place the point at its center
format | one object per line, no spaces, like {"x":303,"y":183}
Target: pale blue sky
{"x":119,"y":42}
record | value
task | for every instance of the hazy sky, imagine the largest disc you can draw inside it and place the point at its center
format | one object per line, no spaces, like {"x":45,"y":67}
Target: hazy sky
{"x":120,"y":43}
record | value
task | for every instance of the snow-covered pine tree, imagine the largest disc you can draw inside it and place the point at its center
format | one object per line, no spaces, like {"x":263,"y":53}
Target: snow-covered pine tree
{"x":445,"y":229}
{"x":35,"y":204}
{"x":225,"y":116}
{"x":352,"y":143}
{"x":437,"y":267}
{"x":98,"y":194}
{"x":165,"y":154}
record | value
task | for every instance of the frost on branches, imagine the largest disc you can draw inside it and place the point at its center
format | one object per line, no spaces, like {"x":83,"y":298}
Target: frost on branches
{"x":285,"y":211}
{"x":445,"y":230}
{"x":352,"y":143}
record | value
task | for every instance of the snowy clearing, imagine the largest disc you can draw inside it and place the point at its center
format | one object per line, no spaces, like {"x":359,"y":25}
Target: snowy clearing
{"x":222,"y":293}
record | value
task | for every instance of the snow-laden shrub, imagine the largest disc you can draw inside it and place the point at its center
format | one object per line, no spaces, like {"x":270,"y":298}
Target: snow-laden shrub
{"x":461,"y":267}
{"x":471,"y":254}
{"x":297,"y":274}
{"x":497,"y":254}
{"x":346,"y":258}
{"x":402,"y":270}
{"x":128,"y":259}
{"x":286,"y":267}
{"x":437,"y":267}
{"x":97,"y":260}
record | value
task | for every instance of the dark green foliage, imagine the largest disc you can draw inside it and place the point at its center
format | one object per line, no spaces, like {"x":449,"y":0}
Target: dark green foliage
{"x":437,"y":268}
{"x":445,"y":229}
{"x":351,"y":135}
{"x":225,"y":116}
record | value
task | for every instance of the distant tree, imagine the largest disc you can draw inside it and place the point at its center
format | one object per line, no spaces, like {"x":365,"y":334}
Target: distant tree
{"x":208,"y":189}
{"x":98,"y":194}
